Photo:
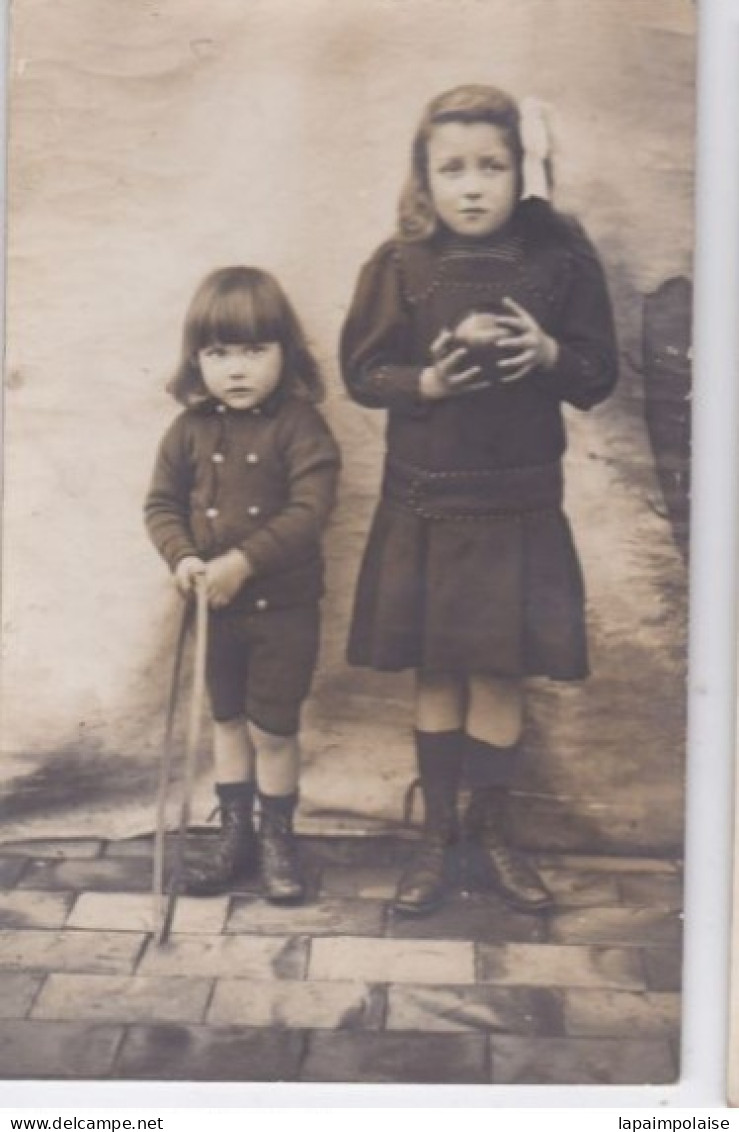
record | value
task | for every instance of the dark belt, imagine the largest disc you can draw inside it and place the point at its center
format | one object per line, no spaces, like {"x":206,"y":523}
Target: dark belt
{"x":473,"y":494}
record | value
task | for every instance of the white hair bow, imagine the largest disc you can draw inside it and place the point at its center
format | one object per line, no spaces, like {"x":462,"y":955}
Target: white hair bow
{"x":538,"y":146}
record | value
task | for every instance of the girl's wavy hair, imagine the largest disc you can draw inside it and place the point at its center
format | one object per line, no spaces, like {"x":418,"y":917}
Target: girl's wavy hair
{"x":417,"y":219}
{"x":236,"y":305}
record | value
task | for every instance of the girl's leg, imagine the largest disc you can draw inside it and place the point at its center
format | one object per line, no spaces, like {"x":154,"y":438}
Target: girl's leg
{"x":441,"y":701}
{"x":440,"y":708}
{"x":495,"y":710}
{"x":277,"y":773}
{"x":494,"y":723}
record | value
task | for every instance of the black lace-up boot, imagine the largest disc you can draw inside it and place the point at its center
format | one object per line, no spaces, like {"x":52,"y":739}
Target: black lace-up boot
{"x":282,"y":878}
{"x":423,"y":885}
{"x":492,"y":857}
{"x":234,"y":854}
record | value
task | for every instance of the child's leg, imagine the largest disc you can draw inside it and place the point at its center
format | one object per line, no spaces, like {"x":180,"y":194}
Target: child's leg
{"x":495,"y":710}
{"x":440,"y":708}
{"x":282,"y":659}
{"x":494,"y":723}
{"x":233,"y":751}
{"x":278,"y":770}
{"x":234,"y":853}
{"x":441,"y":701}
{"x":277,"y":761}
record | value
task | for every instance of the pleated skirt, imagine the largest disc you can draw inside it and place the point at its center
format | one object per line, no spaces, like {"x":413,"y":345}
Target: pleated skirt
{"x":502,"y":595}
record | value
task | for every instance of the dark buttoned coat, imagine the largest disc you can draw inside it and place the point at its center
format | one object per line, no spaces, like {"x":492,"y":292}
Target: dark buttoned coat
{"x":262,"y":481}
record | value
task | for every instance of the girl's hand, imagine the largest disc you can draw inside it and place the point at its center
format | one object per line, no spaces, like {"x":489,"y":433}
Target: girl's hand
{"x":446,"y":378}
{"x":224,"y":577}
{"x":530,"y":347}
{"x":185,"y":573}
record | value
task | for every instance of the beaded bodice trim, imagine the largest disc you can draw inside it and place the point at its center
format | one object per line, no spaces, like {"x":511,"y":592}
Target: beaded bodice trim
{"x":478,"y":270}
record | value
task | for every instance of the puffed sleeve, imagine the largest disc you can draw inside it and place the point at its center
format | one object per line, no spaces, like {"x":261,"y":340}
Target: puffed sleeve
{"x":376,"y":352}
{"x":166,"y":508}
{"x":312,"y":459}
{"x":587,"y":363}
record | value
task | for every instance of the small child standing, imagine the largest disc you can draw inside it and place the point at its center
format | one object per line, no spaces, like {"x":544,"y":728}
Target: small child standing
{"x":244,"y":482}
{"x":472,"y":327}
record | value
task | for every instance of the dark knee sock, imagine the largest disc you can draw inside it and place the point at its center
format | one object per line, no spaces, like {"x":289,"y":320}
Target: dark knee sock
{"x":440,"y":752}
{"x":234,"y":791}
{"x":487,"y":767}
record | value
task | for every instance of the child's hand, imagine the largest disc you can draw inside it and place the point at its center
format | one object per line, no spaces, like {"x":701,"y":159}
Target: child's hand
{"x":446,"y":378}
{"x":185,"y":573}
{"x":224,"y":577}
{"x":527,"y":345}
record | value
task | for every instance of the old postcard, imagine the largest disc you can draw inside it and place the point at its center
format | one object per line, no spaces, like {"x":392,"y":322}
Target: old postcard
{"x":364,"y":328}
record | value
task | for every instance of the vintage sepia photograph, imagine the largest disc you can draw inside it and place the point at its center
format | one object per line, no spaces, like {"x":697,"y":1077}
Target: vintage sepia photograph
{"x":352,"y":338}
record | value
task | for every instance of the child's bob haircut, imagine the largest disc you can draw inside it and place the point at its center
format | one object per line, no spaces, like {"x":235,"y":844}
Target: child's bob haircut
{"x":470,"y":103}
{"x":237,"y":305}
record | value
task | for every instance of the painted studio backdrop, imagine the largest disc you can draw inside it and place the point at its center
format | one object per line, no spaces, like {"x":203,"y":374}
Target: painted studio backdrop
{"x":155,"y":140}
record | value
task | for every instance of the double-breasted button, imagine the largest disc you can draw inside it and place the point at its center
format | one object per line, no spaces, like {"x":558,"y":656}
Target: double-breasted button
{"x":251,"y":458}
{"x":212,"y":513}
{"x":261,"y":604}
{"x":254,"y":510}
{"x":218,"y":457}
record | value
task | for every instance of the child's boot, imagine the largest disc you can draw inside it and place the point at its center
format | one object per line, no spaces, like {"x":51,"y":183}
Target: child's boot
{"x":234,"y":854}
{"x":424,"y":882}
{"x":282,"y":879}
{"x":488,"y":772}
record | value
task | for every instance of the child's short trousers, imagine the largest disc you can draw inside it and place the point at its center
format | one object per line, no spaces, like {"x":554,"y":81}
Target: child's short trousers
{"x":262,"y":663}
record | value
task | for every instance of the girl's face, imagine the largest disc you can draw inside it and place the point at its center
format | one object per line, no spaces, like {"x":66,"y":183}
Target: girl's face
{"x":241,"y":375}
{"x":472,"y":177}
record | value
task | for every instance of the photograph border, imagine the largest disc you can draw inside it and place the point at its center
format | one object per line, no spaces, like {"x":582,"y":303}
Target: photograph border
{"x":712,"y":687}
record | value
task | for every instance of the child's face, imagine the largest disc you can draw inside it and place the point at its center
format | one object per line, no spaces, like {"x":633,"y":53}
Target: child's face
{"x":242,"y":375}
{"x":472,"y":177}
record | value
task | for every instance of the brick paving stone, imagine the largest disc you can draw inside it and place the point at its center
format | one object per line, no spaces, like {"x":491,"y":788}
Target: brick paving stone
{"x":21,"y":909}
{"x":580,"y":1061}
{"x":359,"y":852}
{"x":10,"y":870}
{"x":516,"y":1010}
{"x":630,"y":927}
{"x":605,"y":1013}
{"x":133,"y":912}
{"x":103,"y":952}
{"x":472,"y":917}
{"x":298,"y":1005}
{"x":248,"y":957}
{"x":209,"y":1053}
{"x":57,"y":1049}
{"x":17,"y":992}
{"x":101,"y":875}
{"x":453,"y":1059}
{"x":560,"y":965}
{"x":53,"y":850}
{"x":391,"y":960}
{"x":655,"y":891}
{"x":664,"y":968}
{"x":574,"y":888}
{"x":324,"y":917}
{"x":361,"y":883}
{"x":594,"y":864}
{"x":122,"y":998}
{"x":132,"y":847}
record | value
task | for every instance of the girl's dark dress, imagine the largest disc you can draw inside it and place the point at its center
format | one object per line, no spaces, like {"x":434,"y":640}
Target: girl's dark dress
{"x":470,"y":564}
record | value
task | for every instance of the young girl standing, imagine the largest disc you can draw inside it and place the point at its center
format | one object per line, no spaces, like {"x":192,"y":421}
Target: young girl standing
{"x":244,"y":482}
{"x":472,"y":327}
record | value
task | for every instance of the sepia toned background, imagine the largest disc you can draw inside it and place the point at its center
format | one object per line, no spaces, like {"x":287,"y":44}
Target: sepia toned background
{"x":153,"y":141}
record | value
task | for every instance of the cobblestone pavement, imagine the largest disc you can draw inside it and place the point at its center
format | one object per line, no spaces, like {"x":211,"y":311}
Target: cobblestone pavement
{"x":338,"y":989}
